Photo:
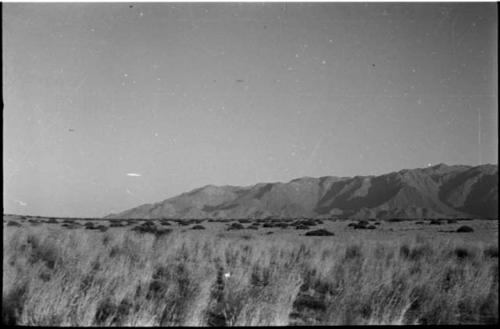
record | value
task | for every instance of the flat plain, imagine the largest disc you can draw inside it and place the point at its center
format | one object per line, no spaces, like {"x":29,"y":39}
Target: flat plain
{"x":123,"y":272}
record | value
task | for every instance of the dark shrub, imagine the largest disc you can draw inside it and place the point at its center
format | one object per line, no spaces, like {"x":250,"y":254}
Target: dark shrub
{"x":244,"y":221}
{"x":452,"y":221}
{"x":260,"y":276}
{"x":360,"y":226}
{"x":377,"y":223}
{"x":42,"y":252}
{"x":44,"y":275}
{"x":452,"y":275}
{"x":371,"y":227}
{"x":463,"y":253}
{"x":404,"y":251}
{"x":491,"y":252}
{"x":308,"y":223}
{"x":435,"y":222}
{"x":268,"y":225}
{"x":419,"y":223}
{"x":151,"y":230}
{"x":148,"y":224}
{"x":71,"y":226}
{"x":320,"y":232}
{"x":307,"y":302}
{"x":301,"y":227}
{"x":353,"y":252}
{"x":394,"y":220}
{"x":235,"y":226}
{"x":282,"y":225}
{"x":12,"y":223}
{"x":352,"y":225}
{"x":12,"y":305}
{"x":415,"y":253}
{"x":122,"y":312}
{"x":198,"y":227}
{"x":102,"y":228}
{"x":465,"y":229}
{"x":105,"y":310}
{"x":420,"y":251}
{"x":165,"y":223}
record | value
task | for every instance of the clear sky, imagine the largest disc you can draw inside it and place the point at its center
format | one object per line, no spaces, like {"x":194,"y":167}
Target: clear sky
{"x":108,"y":106}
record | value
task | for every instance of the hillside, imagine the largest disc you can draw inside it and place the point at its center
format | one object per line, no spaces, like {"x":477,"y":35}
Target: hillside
{"x":438,"y":191}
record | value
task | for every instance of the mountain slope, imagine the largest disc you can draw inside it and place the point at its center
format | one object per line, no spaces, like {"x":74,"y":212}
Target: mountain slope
{"x":438,"y":191}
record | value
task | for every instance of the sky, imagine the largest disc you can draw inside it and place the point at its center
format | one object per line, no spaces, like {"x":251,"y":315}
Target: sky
{"x":109,"y":106}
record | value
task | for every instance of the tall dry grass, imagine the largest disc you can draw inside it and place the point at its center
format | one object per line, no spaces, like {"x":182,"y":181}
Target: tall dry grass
{"x":59,"y":277}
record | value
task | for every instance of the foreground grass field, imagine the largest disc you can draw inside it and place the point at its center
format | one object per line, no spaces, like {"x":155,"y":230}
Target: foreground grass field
{"x":75,"y":276}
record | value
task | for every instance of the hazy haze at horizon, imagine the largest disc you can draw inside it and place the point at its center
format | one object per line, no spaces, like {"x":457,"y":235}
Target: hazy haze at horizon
{"x":107,"y":107}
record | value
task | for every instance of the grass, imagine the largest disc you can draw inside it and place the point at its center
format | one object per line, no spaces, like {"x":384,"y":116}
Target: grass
{"x":60,"y":277}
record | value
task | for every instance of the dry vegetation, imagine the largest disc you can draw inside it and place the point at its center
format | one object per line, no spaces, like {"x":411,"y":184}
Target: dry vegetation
{"x":82,"y":277}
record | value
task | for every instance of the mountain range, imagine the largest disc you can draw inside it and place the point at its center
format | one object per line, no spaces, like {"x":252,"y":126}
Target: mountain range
{"x":440,"y":191}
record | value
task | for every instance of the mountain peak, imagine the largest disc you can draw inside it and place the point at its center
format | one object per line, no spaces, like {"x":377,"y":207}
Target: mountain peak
{"x":440,"y":166}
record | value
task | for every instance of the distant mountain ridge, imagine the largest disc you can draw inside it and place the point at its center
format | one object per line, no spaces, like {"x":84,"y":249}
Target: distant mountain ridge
{"x":440,"y":191}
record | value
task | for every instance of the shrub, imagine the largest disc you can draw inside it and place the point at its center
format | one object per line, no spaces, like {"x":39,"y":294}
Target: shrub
{"x":404,"y":251}
{"x":360,"y":226}
{"x":452,"y":221}
{"x":71,"y":226}
{"x":12,"y":305}
{"x":394,"y":220}
{"x":235,"y":226}
{"x":282,"y":225}
{"x":435,"y":222}
{"x":13,"y":223}
{"x":320,"y":232}
{"x":465,"y":229}
{"x":307,"y":223}
{"x":151,"y":230}
{"x":491,"y":252}
{"x":353,"y":252}
{"x":462,"y":253}
{"x":415,"y":253}
{"x":198,"y":227}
